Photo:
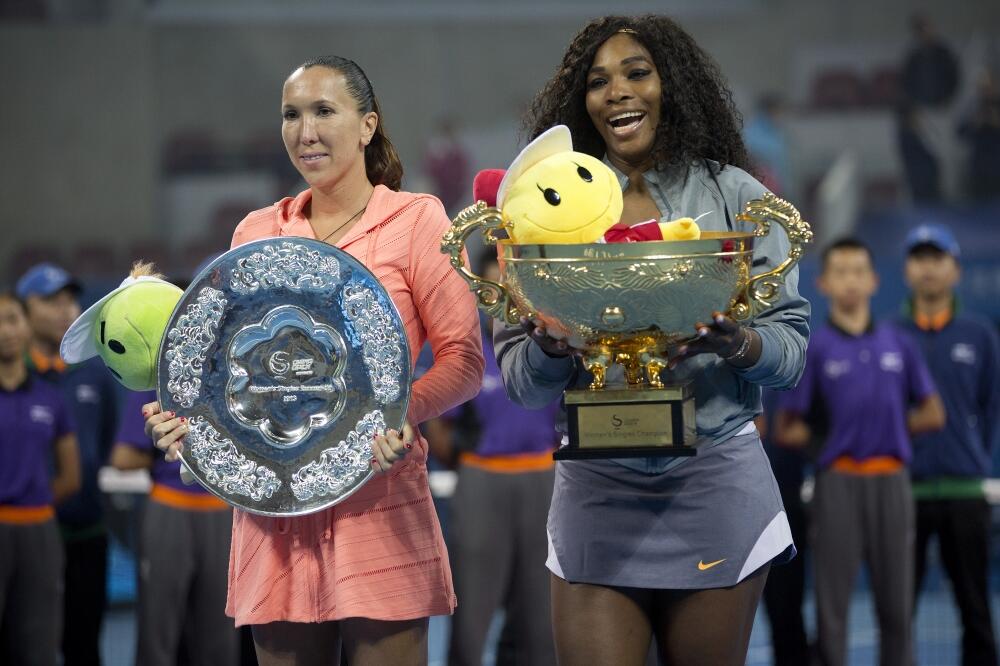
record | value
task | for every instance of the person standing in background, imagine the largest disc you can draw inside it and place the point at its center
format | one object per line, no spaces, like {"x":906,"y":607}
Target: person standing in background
{"x":949,"y":466}
{"x":50,"y":294}
{"x":929,"y":79}
{"x":980,"y":130}
{"x":930,"y":72}
{"x":768,"y":145}
{"x":446,"y":163}
{"x":876,"y":393}
{"x":37,"y":429}
{"x":506,"y":471}
{"x":921,"y":166}
{"x":183,"y":556}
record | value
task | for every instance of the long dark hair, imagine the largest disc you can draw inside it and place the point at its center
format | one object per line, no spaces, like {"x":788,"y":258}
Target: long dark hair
{"x":382,"y":164}
{"x":698,"y":118}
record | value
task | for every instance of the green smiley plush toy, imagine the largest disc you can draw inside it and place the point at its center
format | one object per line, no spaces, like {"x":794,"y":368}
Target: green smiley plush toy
{"x":125,"y":328}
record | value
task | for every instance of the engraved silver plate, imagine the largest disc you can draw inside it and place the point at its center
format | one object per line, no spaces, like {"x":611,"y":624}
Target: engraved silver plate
{"x":287,"y":356}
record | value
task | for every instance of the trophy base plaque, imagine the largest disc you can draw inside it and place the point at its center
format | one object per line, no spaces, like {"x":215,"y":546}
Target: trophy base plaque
{"x":636,"y":422}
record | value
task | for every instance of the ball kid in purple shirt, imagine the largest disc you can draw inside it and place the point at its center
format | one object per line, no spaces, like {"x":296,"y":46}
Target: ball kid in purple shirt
{"x":51,"y":297}
{"x":37,"y":432}
{"x":873,"y":391}
{"x":37,"y":429}
{"x":506,"y":472}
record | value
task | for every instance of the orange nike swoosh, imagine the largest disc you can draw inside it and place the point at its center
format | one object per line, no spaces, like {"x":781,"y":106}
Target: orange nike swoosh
{"x":702,"y":566}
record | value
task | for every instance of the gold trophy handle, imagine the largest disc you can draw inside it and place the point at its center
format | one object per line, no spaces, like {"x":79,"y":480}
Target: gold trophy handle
{"x":491,"y":297}
{"x":762,"y":290}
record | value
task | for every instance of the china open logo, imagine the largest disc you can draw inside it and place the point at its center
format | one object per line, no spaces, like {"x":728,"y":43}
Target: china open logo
{"x":279,"y":365}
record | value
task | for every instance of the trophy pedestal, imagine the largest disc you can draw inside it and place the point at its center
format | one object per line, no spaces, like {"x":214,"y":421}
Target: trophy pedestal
{"x":636,"y":422}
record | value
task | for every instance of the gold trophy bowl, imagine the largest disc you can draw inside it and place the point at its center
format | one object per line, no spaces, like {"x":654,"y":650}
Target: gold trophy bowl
{"x":628,"y":304}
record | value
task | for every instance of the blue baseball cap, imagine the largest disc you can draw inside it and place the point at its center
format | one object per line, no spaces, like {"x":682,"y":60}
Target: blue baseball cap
{"x":935,"y":235}
{"x":44,"y":280}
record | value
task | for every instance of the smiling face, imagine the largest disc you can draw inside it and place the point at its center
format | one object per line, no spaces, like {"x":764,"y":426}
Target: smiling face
{"x":324,"y":133}
{"x":568,"y":197}
{"x":623,"y":99}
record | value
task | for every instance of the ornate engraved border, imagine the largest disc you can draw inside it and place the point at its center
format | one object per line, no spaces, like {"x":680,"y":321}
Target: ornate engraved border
{"x":289,"y":265}
{"x":188,"y":343}
{"x":381,"y":342}
{"x":225,"y":467}
{"x":339,"y":467}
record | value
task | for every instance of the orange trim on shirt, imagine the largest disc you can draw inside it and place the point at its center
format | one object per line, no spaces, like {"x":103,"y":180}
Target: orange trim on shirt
{"x":178,"y":499}
{"x":868,"y":467}
{"x":933,"y":322}
{"x":26,"y":515}
{"x":44,"y":363}
{"x":509,"y":464}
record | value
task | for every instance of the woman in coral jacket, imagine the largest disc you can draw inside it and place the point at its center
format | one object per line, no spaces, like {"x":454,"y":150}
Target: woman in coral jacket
{"x":367,"y":573}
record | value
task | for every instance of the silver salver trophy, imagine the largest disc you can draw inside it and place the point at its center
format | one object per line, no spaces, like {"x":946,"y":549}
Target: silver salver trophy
{"x":287,"y":357}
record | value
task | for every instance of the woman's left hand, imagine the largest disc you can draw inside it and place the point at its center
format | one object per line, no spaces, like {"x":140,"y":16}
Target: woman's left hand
{"x":392,"y":447}
{"x":723,"y":336}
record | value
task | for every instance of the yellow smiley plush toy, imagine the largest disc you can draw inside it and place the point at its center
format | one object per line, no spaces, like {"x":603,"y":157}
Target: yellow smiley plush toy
{"x":551,"y":194}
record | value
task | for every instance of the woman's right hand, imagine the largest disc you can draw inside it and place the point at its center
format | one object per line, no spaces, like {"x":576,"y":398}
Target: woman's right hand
{"x":549,"y":345}
{"x":166,"y":429}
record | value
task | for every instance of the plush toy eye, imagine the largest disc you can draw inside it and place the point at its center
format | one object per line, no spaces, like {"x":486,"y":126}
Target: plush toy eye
{"x":584,"y":174}
{"x":551,"y":196}
{"x":116,"y":346}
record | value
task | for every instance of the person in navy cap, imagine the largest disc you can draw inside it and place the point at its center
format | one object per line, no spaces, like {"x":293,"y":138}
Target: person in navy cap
{"x":875,"y":392}
{"x":949,"y":466}
{"x":37,"y":432}
{"x":51,"y":296}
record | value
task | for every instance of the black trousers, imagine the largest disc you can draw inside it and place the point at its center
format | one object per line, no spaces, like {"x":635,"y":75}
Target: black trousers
{"x":963,"y":530}
{"x":785,"y":590}
{"x":31,"y":569}
{"x":84,"y":600}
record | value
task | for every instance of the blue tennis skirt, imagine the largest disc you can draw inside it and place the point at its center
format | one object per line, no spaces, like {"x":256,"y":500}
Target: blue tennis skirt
{"x":709,"y":522}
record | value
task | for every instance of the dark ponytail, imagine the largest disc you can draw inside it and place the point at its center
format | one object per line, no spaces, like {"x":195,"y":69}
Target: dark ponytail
{"x":382,"y":164}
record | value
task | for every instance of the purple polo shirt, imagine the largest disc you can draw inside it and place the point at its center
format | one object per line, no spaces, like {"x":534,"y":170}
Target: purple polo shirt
{"x":865,"y":385}
{"x":34,"y":416}
{"x":131,"y":431}
{"x":506,"y":428}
